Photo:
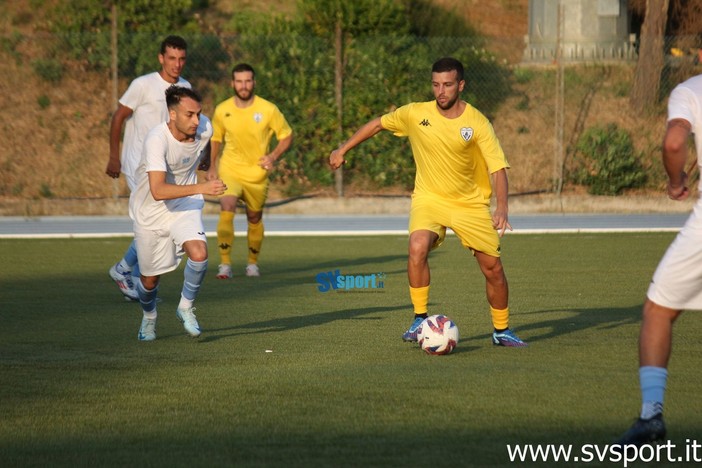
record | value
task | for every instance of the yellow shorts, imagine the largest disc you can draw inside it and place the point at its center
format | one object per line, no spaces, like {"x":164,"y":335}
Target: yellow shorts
{"x":472,"y":223}
{"x":253,"y":194}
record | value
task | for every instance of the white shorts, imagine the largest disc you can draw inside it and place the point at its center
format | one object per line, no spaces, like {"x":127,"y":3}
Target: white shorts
{"x":161,"y":251}
{"x":677,"y":281}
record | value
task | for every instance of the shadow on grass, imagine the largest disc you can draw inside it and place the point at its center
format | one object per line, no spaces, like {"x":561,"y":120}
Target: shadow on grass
{"x":340,"y":263}
{"x":574,"y":321}
{"x":297,"y":322}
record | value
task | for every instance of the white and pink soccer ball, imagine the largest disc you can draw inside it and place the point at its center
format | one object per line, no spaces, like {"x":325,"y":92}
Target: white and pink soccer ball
{"x":437,"y":335}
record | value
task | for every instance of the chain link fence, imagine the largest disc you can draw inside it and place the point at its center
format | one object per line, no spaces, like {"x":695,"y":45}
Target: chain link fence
{"x":62,"y":93}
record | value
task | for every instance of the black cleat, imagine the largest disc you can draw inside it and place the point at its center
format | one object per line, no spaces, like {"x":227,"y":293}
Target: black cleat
{"x":644,"y":431}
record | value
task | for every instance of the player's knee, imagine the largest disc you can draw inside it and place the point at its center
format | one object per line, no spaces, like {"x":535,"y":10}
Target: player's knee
{"x":418,"y":252}
{"x":199,"y":257}
{"x":492,"y":269}
{"x":196,"y":251}
{"x":254,"y":217}
{"x":228,"y":203}
{"x":149,"y":282}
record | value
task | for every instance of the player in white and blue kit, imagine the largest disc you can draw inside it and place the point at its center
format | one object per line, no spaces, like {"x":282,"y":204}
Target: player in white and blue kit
{"x":141,"y":108}
{"x":677,"y":281}
{"x":166,"y":207}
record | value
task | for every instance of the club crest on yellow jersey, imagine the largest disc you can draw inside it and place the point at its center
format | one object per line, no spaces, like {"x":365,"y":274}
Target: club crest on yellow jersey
{"x":466,"y":133}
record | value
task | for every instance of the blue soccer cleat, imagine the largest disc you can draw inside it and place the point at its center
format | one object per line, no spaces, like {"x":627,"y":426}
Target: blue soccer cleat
{"x":411,"y":333}
{"x":507,"y":338}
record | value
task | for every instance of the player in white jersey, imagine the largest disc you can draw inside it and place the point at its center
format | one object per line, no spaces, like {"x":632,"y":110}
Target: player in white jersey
{"x":166,"y":207}
{"x":677,"y":283}
{"x":141,"y":108}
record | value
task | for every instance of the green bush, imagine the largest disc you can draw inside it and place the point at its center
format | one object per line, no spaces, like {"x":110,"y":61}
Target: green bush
{"x":44,"y":101}
{"x":606,"y":161}
{"x":50,"y":70}
{"x":45,"y":191}
{"x":9,"y":44}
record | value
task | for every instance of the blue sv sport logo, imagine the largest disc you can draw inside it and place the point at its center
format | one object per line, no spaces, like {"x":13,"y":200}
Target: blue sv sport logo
{"x":334,"y":280}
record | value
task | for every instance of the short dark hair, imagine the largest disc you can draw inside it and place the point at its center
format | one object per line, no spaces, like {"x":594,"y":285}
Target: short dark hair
{"x":243,"y":67}
{"x":447,"y":64}
{"x":175,"y":93}
{"x":174,"y":42}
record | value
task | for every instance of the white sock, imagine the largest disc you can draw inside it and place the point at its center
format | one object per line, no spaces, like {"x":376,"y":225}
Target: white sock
{"x":185,"y":303}
{"x":150,"y":315}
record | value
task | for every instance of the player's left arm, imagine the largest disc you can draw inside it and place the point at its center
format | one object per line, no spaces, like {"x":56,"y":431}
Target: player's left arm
{"x":283,"y":133}
{"x":283,"y":145}
{"x":500,"y":185}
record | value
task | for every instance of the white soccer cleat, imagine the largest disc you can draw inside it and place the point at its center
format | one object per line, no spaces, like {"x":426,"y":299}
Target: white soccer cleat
{"x":187,"y":316}
{"x":252,"y":270}
{"x":224,"y":271}
{"x":124,"y":283}
{"x":147,"y":332}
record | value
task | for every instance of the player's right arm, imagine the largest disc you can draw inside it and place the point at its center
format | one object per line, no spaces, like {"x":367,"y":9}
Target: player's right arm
{"x":114,"y":166}
{"x":162,"y":190}
{"x":370,"y":129}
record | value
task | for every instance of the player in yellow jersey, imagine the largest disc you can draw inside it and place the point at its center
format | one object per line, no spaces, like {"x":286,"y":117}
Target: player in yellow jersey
{"x":245,"y":125}
{"x":457,"y":154}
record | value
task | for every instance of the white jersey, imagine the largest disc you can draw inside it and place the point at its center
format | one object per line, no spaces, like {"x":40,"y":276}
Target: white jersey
{"x":146,"y":97}
{"x":686,"y":103}
{"x":179,"y":160}
{"x":676,"y":281}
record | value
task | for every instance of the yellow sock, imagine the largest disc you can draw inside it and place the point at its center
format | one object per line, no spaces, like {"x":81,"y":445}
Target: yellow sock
{"x":255,"y":240}
{"x":420,"y":298}
{"x":225,"y":236}
{"x":500,"y":318}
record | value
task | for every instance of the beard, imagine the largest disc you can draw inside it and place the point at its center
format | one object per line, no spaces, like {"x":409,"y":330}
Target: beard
{"x":245,"y":95}
{"x":449,"y":104}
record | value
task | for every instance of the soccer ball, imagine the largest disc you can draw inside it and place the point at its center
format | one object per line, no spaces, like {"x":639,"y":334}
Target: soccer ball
{"x":437,"y":335}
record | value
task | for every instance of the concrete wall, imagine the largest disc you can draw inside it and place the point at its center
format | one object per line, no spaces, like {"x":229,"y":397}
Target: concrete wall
{"x":587,"y":30}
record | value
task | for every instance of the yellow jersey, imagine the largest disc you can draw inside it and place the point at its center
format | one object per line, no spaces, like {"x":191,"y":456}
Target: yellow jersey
{"x":454,"y":157}
{"x":246,"y":134}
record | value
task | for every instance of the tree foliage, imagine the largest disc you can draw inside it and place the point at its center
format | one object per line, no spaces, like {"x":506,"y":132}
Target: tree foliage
{"x":85,"y":26}
{"x":358,"y":18}
{"x":386,"y":65}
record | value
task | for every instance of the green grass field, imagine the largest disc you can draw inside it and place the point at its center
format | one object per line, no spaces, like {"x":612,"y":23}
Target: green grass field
{"x":286,"y":375}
